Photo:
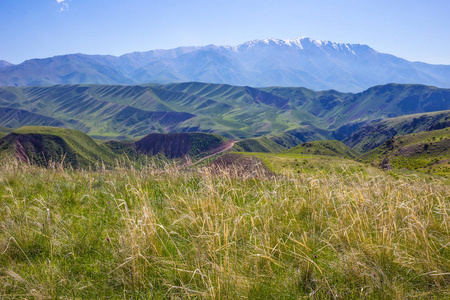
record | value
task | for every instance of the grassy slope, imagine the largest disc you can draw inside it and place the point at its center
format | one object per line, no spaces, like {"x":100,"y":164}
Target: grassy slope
{"x":340,"y":232}
{"x":373,"y":135}
{"x":97,"y":110}
{"x":288,"y":163}
{"x":44,"y":144}
{"x":260,"y":144}
{"x":137,"y":110}
{"x":15,"y":118}
{"x":427,"y":151}
{"x":391,"y":100}
{"x":179,"y":145}
{"x":327,"y":147}
{"x":237,"y":112}
{"x":379,"y":102}
{"x":4,"y":131}
{"x":202,"y":143}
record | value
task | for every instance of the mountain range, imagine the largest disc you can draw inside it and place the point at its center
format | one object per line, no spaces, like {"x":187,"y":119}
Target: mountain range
{"x":289,"y":115}
{"x":315,"y":64}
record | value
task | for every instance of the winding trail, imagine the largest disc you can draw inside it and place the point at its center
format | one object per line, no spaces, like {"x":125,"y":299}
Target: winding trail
{"x":223,"y":148}
{"x":218,"y":150}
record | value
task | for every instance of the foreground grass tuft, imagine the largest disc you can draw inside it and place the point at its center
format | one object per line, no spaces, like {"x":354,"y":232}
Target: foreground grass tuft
{"x":207,"y":233}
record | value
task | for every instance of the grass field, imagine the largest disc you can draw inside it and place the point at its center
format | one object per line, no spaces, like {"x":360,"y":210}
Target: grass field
{"x":310,"y":230}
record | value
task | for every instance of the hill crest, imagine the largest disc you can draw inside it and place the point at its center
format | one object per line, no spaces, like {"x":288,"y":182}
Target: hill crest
{"x":238,"y":112}
{"x":45,"y":145}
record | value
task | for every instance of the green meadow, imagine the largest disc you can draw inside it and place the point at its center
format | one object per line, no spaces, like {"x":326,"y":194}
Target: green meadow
{"x":291,"y":226}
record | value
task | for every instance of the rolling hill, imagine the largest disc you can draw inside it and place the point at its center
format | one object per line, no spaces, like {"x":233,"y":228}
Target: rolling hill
{"x":4,"y":131}
{"x":374,"y":134}
{"x":259,"y":144}
{"x":327,"y":148}
{"x":45,"y":145}
{"x":289,"y":116}
{"x":375,"y":103}
{"x":15,"y":118}
{"x":134,"y":111}
{"x":427,"y":151}
{"x":179,"y":145}
{"x":315,"y":64}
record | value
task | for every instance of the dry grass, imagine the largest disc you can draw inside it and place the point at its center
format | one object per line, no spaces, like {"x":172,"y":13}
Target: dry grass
{"x":128,"y":233}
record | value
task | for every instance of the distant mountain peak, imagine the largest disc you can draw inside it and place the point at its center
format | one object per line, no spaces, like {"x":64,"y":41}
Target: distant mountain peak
{"x":4,"y":64}
{"x":301,"y":43}
{"x":302,"y":61}
{"x":273,"y":41}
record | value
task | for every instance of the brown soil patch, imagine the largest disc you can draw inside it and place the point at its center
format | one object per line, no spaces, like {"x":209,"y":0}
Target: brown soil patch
{"x":240,"y":166}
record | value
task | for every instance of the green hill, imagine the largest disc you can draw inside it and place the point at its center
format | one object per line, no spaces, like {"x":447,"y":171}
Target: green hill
{"x":260,"y":144}
{"x":378,"y":102}
{"x":373,"y":135}
{"x":178,"y":145}
{"x":4,"y":131}
{"x":135,"y":111}
{"x":388,"y":101}
{"x":427,"y":151}
{"x":15,"y":118}
{"x":274,"y":143}
{"x":42,"y":145}
{"x":294,"y":137}
{"x":328,"y":148}
{"x":238,"y":112}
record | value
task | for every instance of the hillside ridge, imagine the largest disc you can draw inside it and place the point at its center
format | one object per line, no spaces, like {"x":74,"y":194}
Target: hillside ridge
{"x":289,"y":115}
{"x":46,"y":145}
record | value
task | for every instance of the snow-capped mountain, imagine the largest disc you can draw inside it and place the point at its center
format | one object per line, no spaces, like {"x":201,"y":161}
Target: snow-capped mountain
{"x":303,"y":62}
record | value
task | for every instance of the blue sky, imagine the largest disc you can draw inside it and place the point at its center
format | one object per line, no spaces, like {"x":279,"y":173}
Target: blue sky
{"x":416,"y":30}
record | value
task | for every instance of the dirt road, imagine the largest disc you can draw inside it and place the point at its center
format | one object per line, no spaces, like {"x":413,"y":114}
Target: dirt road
{"x":223,"y":148}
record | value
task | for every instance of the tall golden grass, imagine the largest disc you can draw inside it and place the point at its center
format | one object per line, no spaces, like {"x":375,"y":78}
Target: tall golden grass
{"x":216,"y":233}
